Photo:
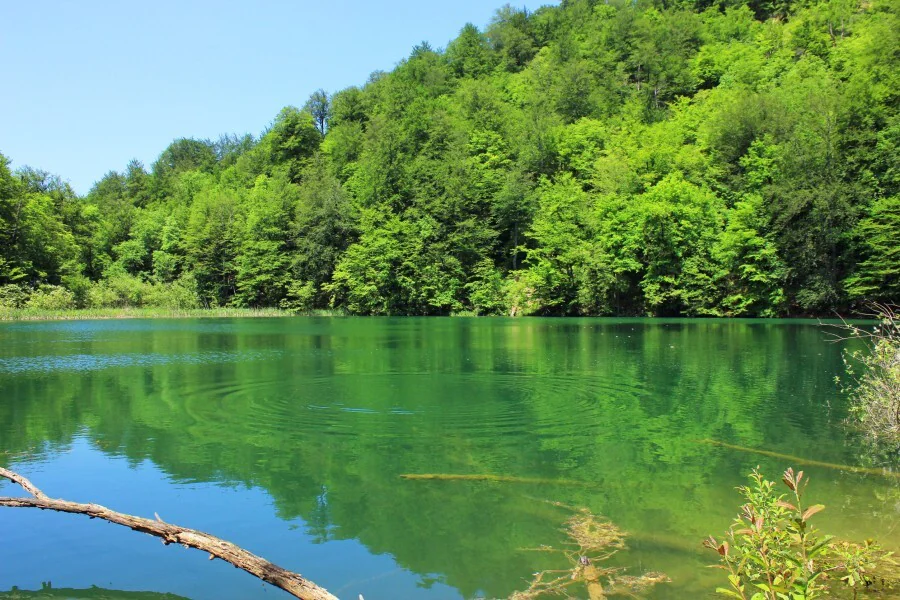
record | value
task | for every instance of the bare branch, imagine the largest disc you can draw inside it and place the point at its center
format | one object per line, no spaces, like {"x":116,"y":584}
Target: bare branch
{"x":291,"y":582}
{"x":22,"y":481}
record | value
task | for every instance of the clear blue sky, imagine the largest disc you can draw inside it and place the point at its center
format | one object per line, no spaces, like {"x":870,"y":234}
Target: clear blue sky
{"x":88,"y":85}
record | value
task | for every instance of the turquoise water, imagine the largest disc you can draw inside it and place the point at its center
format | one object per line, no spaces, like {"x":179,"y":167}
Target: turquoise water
{"x":289,"y":436}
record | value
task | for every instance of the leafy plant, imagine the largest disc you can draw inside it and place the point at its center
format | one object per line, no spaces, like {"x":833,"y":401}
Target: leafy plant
{"x":13,"y":296}
{"x":51,"y":297}
{"x":773,"y":552}
{"x":874,"y":376}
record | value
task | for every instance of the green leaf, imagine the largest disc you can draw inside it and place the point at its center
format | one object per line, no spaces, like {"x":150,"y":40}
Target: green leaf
{"x":820,"y":546}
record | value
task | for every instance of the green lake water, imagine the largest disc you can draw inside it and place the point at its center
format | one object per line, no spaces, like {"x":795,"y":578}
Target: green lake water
{"x":289,"y":437}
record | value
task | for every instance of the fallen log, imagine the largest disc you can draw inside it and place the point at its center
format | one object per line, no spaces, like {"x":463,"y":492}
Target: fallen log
{"x":291,"y":582}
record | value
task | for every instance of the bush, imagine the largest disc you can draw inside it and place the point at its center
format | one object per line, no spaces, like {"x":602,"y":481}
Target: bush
{"x":119,"y":290}
{"x":874,"y":376}
{"x":181,"y":294}
{"x":101,"y":295}
{"x":80,"y":286}
{"x":51,"y":297}
{"x":772,"y":552}
{"x":301,"y":296}
{"x":13,"y":296}
{"x":122,"y":290}
{"x":521,"y":296}
{"x":487,"y":290}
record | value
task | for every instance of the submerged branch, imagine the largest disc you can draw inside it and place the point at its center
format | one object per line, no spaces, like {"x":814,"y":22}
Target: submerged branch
{"x":592,"y":540}
{"x":485,"y":477}
{"x":289,"y":581}
{"x":805,"y":461}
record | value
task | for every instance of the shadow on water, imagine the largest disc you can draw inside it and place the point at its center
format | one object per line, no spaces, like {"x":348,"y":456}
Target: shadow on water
{"x":326,"y":415}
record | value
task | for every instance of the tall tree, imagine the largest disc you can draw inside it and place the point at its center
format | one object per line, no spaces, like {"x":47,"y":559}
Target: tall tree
{"x":319,"y":107}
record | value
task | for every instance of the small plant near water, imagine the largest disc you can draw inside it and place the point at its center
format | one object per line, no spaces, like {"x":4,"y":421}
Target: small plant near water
{"x":591,"y":542}
{"x":773,"y":552}
{"x":874,"y":376}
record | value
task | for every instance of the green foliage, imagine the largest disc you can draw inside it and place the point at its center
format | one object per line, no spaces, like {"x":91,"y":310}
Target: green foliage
{"x":873,"y":374}
{"x":180,"y":294}
{"x":773,"y":552}
{"x":117,"y":290}
{"x":37,"y":244}
{"x":555,"y":263}
{"x":261,"y":265}
{"x":470,"y":54}
{"x":722,"y":159}
{"x":13,"y":296}
{"x":877,"y":277}
{"x":396,"y":269}
{"x":80,"y":286}
{"x":300,"y":296}
{"x":292,"y":140}
{"x":323,"y":225}
{"x":679,"y":223}
{"x":210,"y":242}
{"x":51,"y":297}
{"x":181,"y":156}
{"x":122,"y":290}
{"x":487,"y":290}
{"x":319,"y":107}
{"x":511,"y":36}
{"x":749,"y":273}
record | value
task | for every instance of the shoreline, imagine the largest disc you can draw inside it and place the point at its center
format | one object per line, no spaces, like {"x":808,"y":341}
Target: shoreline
{"x":13,"y":315}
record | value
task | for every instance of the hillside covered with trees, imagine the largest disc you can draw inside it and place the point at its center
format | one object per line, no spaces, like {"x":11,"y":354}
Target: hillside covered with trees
{"x":647,"y":158}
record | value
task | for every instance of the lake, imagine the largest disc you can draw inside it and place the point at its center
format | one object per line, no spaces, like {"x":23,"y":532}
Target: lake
{"x":289,"y":437}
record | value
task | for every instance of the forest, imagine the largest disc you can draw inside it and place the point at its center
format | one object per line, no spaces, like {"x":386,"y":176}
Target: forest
{"x":660,"y":158}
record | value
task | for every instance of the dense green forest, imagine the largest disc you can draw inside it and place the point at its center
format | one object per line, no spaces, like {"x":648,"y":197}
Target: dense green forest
{"x":645,"y":158}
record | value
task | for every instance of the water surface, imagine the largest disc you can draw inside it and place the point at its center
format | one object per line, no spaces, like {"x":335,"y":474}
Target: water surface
{"x":289,"y":436}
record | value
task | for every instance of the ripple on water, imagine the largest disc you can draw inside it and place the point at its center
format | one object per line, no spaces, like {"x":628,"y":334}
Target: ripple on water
{"x":96,"y":362}
{"x":572,"y":406}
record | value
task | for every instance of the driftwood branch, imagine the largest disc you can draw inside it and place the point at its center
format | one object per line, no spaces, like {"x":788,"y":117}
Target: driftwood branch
{"x":289,"y":581}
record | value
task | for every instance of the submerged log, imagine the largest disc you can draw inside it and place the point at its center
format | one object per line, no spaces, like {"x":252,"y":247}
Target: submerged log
{"x":592,"y":580}
{"x":804,"y":461}
{"x":487,"y":477}
{"x":291,"y":582}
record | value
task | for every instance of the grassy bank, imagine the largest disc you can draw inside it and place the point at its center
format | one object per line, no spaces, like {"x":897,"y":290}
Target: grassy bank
{"x":33,"y":314}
